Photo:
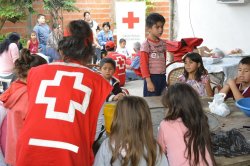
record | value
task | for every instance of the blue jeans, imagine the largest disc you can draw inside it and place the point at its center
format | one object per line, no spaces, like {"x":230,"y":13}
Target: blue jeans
{"x":130,"y":75}
{"x":159,"y":81}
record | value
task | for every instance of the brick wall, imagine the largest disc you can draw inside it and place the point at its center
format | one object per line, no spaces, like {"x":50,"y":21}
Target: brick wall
{"x":101,"y":11}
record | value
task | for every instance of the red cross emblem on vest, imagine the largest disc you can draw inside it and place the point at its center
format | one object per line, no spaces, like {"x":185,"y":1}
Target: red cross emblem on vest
{"x":76,"y":98}
{"x":120,"y":62}
{"x":131,"y":20}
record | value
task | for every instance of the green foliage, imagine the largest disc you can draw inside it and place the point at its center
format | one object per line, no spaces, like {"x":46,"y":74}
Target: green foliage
{"x":22,"y":40}
{"x":15,"y":10}
{"x":149,"y":5}
{"x":67,"y":5}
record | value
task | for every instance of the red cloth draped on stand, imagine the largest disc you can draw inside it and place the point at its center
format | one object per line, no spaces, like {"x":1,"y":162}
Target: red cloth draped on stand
{"x":180,"y":48}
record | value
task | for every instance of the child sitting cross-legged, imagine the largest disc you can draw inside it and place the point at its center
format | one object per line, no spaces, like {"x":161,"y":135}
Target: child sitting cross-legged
{"x":240,"y":87}
{"x":108,"y":66}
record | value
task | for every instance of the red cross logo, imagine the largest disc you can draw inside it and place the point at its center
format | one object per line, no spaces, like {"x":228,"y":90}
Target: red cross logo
{"x":120,"y":62}
{"x":62,"y":105}
{"x":130,"y":20}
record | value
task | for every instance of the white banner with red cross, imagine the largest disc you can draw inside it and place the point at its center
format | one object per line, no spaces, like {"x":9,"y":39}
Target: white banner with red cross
{"x":130,"y":22}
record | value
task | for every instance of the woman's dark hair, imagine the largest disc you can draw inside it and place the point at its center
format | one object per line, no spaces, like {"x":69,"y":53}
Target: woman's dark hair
{"x":197,"y":138}
{"x":201,"y":69}
{"x":26,"y":61}
{"x":106,"y":23}
{"x":132,"y":130}
{"x":108,"y":60}
{"x":153,"y":18}
{"x":87,"y":12}
{"x":11,"y":38}
{"x":77,"y":46}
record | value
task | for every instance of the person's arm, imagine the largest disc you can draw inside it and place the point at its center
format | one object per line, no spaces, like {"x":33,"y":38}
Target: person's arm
{"x":161,"y":139}
{"x":100,"y":39}
{"x":36,"y":29}
{"x":209,"y":89}
{"x":225,"y":89}
{"x":145,"y":71}
{"x":236,"y":93}
{"x":103,"y":155}
{"x":28,"y":44}
{"x":14,"y":51}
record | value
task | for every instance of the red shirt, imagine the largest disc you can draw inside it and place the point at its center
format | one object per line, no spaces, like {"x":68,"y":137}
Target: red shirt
{"x":120,"y":71}
{"x":63,"y":107}
{"x":153,"y":57}
{"x":33,"y":47}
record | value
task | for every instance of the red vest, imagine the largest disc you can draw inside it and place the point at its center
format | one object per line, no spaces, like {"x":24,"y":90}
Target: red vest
{"x":63,"y":107}
{"x":120,"y":71}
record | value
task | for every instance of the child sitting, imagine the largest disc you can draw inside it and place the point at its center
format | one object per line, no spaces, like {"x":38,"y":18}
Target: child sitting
{"x":120,"y":72}
{"x":122,"y":49}
{"x":131,"y":140}
{"x":32,"y":43}
{"x":184,"y":133}
{"x":240,"y":87}
{"x":108,"y":66}
{"x":196,"y":75}
{"x":133,"y":71}
{"x":15,"y":98}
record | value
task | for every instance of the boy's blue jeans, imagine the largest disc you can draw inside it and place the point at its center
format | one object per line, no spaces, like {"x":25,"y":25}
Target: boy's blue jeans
{"x":159,"y":81}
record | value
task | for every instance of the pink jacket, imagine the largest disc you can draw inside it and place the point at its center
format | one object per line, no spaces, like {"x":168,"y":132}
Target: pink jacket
{"x":171,"y":140}
{"x":15,"y":99}
{"x":7,"y":59}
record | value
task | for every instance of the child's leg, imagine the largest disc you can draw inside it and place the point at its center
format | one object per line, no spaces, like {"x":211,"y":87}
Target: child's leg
{"x":159,"y":81}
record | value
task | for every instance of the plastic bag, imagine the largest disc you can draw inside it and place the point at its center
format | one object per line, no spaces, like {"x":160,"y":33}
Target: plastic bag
{"x":229,"y":144}
{"x":218,"y":106}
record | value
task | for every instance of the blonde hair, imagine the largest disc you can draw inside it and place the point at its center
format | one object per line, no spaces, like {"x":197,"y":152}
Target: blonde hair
{"x":132,"y":130}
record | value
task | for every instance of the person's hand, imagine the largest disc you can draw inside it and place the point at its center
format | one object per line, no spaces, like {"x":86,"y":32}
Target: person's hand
{"x":119,"y":96}
{"x":231,"y":82}
{"x":150,"y":86}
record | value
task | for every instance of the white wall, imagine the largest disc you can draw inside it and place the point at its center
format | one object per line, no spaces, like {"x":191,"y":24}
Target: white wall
{"x":220,"y":25}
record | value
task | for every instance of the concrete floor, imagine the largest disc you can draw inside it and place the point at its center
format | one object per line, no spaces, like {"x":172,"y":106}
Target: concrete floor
{"x":135,"y":88}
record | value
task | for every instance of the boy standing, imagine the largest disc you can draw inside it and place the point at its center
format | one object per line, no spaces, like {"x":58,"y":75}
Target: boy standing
{"x":42,"y":31}
{"x":153,"y":57}
{"x":240,"y":87}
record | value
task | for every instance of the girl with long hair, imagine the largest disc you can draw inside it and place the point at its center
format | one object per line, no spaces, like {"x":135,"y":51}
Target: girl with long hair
{"x":196,"y":75}
{"x":9,"y":53}
{"x":131,"y":141}
{"x":184,"y":133}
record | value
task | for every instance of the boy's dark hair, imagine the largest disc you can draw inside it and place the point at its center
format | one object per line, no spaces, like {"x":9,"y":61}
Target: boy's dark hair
{"x":245,"y":60}
{"x":153,"y":18}
{"x":87,"y":12}
{"x":122,"y":40}
{"x":106,"y":23}
{"x":40,"y":15}
{"x":107,"y":60}
{"x":78,"y":46}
